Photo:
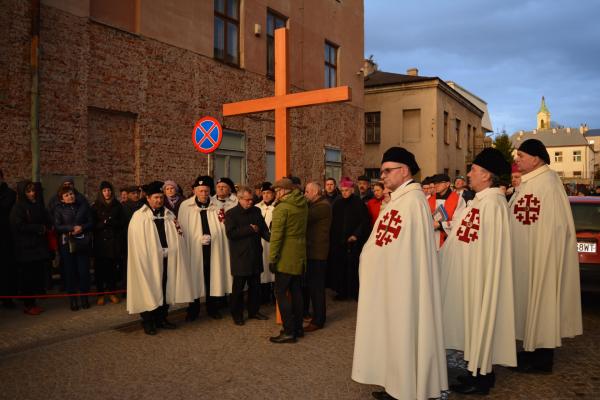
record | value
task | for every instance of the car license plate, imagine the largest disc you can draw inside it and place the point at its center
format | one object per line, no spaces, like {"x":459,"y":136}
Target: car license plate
{"x":586,"y":247}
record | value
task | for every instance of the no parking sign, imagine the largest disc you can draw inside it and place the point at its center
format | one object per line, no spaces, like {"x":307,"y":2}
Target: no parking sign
{"x":207,"y":135}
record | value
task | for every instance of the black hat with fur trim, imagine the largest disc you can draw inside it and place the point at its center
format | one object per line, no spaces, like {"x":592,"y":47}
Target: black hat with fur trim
{"x":493,"y":160}
{"x":403,"y":156}
{"x":534,"y":147}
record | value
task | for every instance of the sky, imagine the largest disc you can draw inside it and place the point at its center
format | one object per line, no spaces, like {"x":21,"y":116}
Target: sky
{"x":510,"y":53}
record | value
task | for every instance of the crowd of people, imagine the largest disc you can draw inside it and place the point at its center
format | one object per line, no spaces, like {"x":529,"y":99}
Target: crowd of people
{"x":473,"y":265}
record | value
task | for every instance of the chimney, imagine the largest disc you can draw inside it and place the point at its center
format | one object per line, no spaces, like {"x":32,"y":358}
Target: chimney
{"x":568,"y":130}
{"x":369,"y":66}
{"x":412,"y":72}
{"x":535,"y":131}
{"x":553,"y":130}
{"x":581,"y":129}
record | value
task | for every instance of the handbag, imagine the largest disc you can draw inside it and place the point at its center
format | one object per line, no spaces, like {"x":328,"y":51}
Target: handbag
{"x":51,"y":239}
{"x":79,"y":243}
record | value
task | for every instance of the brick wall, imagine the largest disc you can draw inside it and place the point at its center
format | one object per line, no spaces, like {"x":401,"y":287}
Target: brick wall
{"x":120,"y":107}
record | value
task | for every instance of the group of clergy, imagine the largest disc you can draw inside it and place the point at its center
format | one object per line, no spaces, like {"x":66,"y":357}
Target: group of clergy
{"x":506,"y":272}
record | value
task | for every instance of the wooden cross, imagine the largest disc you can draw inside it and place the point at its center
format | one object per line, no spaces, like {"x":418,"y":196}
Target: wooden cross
{"x":283,"y":101}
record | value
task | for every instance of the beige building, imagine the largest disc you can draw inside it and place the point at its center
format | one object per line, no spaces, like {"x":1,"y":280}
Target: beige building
{"x":122,"y":83}
{"x":572,"y":151}
{"x":425,"y":115}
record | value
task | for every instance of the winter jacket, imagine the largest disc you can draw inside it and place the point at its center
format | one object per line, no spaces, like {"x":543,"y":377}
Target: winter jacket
{"x":67,"y":216}
{"x":109,"y":228}
{"x":245,"y":247}
{"x":29,"y":223}
{"x":317,"y":229}
{"x":288,"y":234}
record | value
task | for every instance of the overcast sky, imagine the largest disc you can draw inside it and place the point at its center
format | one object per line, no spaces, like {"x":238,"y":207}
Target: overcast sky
{"x":508,"y":52}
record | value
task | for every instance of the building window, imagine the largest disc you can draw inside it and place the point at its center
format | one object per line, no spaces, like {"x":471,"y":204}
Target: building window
{"x":472,"y":140}
{"x":456,"y":173}
{"x":560,"y":173}
{"x":270,"y":159}
{"x":446,"y":129}
{"x":230,"y":157}
{"x":577,"y":155}
{"x":372,"y":127}
{"x":447,"y":171}
{"x":333,"y":163}
{"x":227,"y":31}
{"x":577,"y":174}
{"x":330,"y":65}
{"x":411,"y":125}
{"x":558,"y":156}
{"x":373,"y":173}
{"x":457,"y":128}
{"x":274,"y":21}
{"x":469,"y":137}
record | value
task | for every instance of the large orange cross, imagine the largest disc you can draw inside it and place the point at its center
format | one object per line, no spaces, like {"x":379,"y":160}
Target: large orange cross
{"x":282,"y":101}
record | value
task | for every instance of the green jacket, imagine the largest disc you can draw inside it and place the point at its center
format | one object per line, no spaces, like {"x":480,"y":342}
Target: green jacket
{"x":288,"y":234}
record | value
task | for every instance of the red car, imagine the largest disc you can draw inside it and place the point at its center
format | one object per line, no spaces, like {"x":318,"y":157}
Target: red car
{"x":586,"y":214}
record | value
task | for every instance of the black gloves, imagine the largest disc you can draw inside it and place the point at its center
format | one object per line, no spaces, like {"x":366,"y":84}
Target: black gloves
{"x":273,"y":267}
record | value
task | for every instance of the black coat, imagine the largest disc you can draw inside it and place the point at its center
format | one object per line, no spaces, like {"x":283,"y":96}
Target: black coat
{"x":109,"y":228}
{"x":245,"y":247}
{"x":29,"y":222}
{"x":66,"y":216}
{"x":7,"y":201}
{"x":349,"y":217}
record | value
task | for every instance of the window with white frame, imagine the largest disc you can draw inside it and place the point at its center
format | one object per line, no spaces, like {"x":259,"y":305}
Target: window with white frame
{"x":558,"y":156}
{"x":230,"y":157}
{"x":333,"y":163}
{"x":577,"y":155}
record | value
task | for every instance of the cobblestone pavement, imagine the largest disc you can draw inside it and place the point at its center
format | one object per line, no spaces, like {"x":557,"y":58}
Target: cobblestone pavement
{"x":102,"y":353}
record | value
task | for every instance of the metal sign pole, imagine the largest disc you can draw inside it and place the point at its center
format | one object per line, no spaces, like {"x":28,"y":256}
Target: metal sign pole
{"x":208,"y":164}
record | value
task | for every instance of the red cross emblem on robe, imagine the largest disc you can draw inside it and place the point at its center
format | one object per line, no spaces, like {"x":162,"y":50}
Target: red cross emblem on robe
{"x":527,"y":209}
{"x":388,"y":228}
{"x":469,"y":227}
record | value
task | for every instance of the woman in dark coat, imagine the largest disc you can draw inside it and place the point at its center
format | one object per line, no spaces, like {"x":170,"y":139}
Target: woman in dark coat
{"x":109,"y":223}
{"x":73,"y":223}
{"x":173,"y":196}
{"x":350,"y":227}
{"x":29,"y":222}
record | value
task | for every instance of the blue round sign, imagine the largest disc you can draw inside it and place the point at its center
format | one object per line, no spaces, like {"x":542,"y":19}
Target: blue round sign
{"x":207,"y":135}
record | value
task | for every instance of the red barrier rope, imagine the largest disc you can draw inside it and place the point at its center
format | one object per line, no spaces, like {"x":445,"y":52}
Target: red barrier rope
{"x":50,"y":296}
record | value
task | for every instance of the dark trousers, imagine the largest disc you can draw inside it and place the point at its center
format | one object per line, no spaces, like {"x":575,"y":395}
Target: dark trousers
{"x":32,"y":278}
{"x":212,"y":302}
{"x":237,"y":296}
{"x":160,"y":312}
{"x":290,"y":308}
{"x":347,"y":272}
{"x":542,"y":359}
{"x":315,"y":278}
{"x":77,"y":270}
{"x":106,"y":273}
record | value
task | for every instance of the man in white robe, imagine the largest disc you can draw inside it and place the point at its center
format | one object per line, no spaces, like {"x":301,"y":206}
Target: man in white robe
{"x":225,"y":198}
{"x":476,"y":279}
{"x":157,"y":262}
{"x":399,"y":343}
{"x":266,"y":209}
{"x":545,"y":261}
{"x":208,"y":247}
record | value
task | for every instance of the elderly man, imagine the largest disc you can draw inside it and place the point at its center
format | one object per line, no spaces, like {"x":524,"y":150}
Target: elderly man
{"x":476,"y":279}
{"x":515,"y":181}
{"x":461,"y":189}
{"x":443,"y":203}
{"x":204,"y":229}
{"x":350,"y":227}
{"x":158,"y":270}
{"x":225,"y":198}
{"x":545,"y":260}
{"x":287,"y":259}
{"x":317,"y":250}
{"x":245,"y":227}
{"x":364,"y":188}
{"x":399,"y":343}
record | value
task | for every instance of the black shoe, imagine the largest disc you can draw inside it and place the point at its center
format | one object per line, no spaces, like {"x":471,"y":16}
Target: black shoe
{"x":149,"y":328}
{"x":469,"y":379}
{"x":85,"y":304}
{"x":382,"y":395}
{"x":283,"y":338}
{"x":258,"y":316}
{"x":74,"y":304}
{"x":9,"y":304}
{"x":191,"y":316}
{"x":164,"y":324}
{"x":298,"y":334}
{"x":469,"y":389}
{"x":215,"y":315}
{"x":239,"y":322}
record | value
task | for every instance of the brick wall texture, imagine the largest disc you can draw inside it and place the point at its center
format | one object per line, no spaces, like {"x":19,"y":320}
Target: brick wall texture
{"x":121,"y":107}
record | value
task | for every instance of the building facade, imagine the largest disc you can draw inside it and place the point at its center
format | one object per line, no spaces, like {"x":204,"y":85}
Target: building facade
{"x":424,"y":115}
{"x":122,"y":83}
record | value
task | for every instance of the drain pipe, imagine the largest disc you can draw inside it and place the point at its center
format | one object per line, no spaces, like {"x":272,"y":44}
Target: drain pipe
{"x":35,"y":98}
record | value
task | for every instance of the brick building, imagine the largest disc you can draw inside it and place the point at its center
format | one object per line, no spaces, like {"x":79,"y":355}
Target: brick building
{"x":122,"y":82}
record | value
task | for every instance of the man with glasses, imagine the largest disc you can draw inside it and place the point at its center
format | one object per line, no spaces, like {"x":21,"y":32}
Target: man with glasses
{"x":399,"y":342}
{"x":245,"y":226}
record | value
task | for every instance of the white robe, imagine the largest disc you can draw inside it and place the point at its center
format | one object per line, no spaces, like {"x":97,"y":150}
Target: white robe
{"x":399,"y":343}
{"x":267,"y":213}
{"x":545,"y":262}
{"x":226,"y":205}
{"x":220,"y":270}
{"x":477,"y":284}
{"x":145,"y":263}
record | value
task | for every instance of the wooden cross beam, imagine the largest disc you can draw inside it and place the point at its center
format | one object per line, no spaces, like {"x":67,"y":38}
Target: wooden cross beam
{"x":283,"y":101}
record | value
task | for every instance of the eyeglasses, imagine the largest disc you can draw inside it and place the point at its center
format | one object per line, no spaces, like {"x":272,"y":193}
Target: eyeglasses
{"x":388,"y":170}
{"x":247,"y":199}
